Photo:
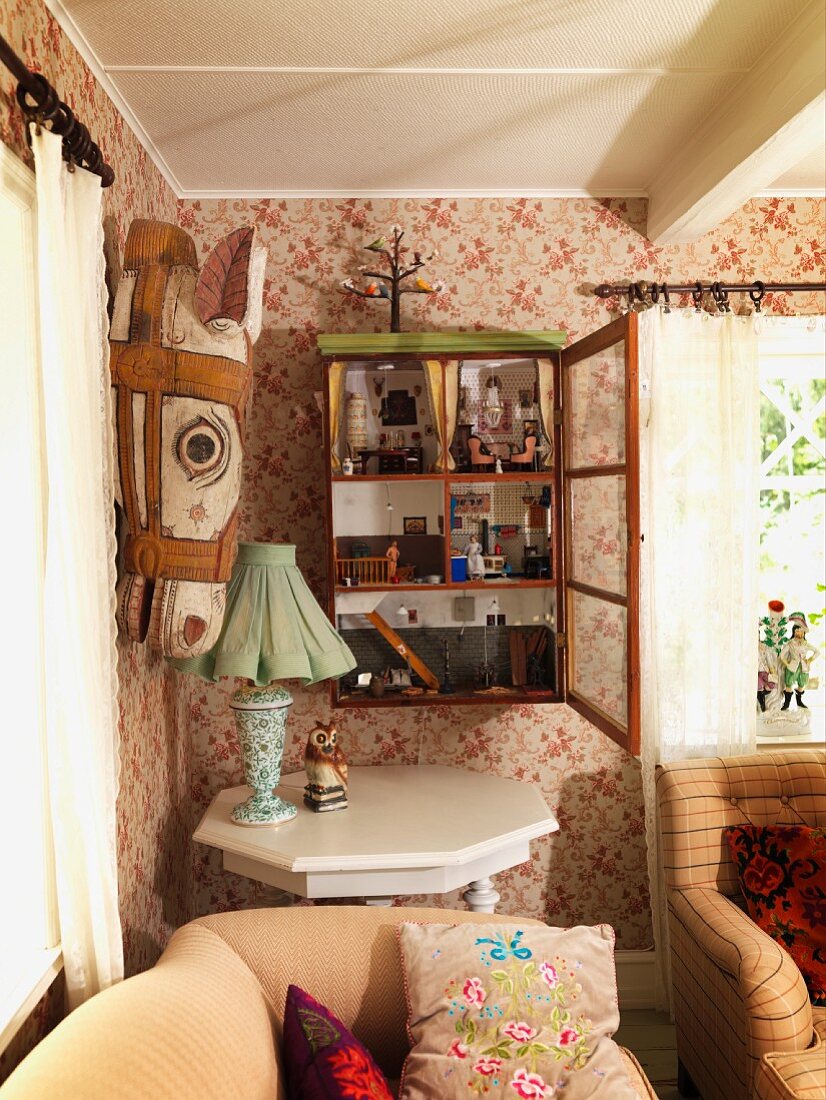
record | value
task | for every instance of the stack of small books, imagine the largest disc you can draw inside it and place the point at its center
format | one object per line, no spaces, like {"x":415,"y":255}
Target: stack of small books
{"x":321,"y":799}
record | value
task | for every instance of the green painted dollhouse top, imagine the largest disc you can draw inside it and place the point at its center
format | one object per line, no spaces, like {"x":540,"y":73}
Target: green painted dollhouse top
{"x":386,"y":343}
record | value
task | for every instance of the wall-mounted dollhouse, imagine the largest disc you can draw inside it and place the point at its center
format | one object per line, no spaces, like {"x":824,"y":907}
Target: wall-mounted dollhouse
{"x":479,"y":539}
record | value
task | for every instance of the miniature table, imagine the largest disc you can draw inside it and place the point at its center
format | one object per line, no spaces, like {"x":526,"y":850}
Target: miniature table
{"x":409,"y":829}
{"x":409,"y":459}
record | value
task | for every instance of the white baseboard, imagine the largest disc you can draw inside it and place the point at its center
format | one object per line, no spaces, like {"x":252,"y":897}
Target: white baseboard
{"x":636,"y":978}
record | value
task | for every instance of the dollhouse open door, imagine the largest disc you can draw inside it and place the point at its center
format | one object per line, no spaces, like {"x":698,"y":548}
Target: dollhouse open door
{"x":600,"y":477}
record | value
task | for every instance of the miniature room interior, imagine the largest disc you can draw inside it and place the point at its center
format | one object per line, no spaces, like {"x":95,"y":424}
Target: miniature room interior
{"x":415,"y":457}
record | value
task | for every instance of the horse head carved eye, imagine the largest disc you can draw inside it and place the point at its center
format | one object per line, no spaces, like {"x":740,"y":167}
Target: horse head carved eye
{"x":201,"y":448}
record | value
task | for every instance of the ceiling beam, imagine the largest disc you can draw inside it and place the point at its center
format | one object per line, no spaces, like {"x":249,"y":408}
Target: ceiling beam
{"x":772,"y":119}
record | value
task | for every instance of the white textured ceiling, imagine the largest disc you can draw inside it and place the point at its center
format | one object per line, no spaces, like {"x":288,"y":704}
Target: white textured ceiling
{"x":403,"y":97}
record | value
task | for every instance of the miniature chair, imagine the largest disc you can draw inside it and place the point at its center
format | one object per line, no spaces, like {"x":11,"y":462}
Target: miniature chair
{"x":526,"y":456}
{"x":480,"y":456}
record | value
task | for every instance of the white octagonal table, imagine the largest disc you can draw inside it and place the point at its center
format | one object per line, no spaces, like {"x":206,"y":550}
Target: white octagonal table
{"x":409,"y":829}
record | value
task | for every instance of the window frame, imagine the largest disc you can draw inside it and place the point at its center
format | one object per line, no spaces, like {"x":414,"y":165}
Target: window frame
{"x":622,"y":330}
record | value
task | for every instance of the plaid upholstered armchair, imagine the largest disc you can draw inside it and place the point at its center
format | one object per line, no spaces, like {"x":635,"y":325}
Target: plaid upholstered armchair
{"x":745,"y":1024}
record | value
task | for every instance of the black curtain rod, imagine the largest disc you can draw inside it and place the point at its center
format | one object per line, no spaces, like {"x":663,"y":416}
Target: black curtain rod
{"x":653,"y":292}
{"x":40,"y":103}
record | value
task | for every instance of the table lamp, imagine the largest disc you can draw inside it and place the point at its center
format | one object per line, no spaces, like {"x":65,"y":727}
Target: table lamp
{"x":273,"y":629}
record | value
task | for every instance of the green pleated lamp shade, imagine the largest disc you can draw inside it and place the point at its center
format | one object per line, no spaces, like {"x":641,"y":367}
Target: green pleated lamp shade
{"x":273,"y":627}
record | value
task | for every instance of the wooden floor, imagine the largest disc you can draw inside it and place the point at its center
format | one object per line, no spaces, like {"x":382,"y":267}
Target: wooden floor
{"x":649,"y":1035}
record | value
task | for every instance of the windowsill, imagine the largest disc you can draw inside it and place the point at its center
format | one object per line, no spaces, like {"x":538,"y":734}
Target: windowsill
{"x":34,"y":979}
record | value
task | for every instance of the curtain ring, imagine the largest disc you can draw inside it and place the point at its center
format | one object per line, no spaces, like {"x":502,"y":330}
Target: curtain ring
{"x":79,"y":143}
{"x":62,"y":119}
{"x":697,"y":296}
{"x":44,"y":100}
{"x":94,"y":158}
{"x":757,"y":293}
{"x":720,"y":297}
{"x":666,"y":299}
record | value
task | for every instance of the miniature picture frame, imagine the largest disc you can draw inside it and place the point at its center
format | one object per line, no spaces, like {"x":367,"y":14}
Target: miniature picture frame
{"x":415,"y":525}
{"x":531,"y":427}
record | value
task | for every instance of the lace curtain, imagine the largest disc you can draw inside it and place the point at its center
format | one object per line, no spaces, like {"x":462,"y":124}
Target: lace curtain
{"x":79,"y":601}
{"x":699,"y":470}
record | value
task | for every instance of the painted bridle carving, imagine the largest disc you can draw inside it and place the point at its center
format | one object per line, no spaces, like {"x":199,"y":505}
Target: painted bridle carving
{"x":181,"y":361}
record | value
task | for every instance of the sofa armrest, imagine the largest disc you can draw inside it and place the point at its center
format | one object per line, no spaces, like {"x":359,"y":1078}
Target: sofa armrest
{"x":194,"y":1027}
{"x":757,"y":970}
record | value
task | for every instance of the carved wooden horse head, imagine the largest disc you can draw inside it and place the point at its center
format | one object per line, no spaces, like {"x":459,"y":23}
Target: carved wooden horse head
{"x":181,"y":360}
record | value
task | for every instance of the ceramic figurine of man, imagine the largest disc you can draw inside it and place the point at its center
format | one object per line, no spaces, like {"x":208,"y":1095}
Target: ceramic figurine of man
{"x":392,"y":554}
{"x":796,"y":657}
{"x":475,"y":561}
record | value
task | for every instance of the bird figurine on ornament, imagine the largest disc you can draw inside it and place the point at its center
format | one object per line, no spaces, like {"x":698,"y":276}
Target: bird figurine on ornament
{"x":387,"y":284}
{"x":326,"y":768}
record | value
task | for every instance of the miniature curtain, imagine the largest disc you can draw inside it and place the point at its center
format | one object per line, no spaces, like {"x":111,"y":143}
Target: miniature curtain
{"x":451,"y":406}
{"x":435,"y":392}
{"x":545,"y":374}
{"x":699,"y":469}
{"x":79,"y":592}
{"x":338,"y":373}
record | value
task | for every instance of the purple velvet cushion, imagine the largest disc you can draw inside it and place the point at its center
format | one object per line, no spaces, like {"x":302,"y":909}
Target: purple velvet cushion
{"x":323,"y":1061}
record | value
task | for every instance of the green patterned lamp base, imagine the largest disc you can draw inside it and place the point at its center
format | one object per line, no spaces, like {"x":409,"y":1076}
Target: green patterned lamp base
{"x":263,"y":809}
{"x":261,"y":720}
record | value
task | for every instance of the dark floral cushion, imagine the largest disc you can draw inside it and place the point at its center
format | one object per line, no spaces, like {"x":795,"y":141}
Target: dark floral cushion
{"x":782,"y":872}
{"x":322,"y":1060}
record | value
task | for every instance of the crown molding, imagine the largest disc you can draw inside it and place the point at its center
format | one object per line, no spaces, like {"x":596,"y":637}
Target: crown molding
{"x":418,"y":70}
{"x":423,"y":193}
{"x":791,"y":193}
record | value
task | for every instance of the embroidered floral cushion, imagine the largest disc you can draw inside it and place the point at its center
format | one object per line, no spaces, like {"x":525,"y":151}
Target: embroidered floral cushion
{"x":322,"y":1060}
{"x":505,"y":1012}
{"x":783,"y":878}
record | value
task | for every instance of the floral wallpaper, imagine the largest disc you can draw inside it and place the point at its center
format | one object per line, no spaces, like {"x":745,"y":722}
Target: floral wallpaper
{"x":153,"y":816}
{"x":599,"y":543}
{"x":506,"y":263}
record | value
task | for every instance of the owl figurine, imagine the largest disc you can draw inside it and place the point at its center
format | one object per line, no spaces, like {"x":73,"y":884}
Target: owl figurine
{"x":326,"y":768}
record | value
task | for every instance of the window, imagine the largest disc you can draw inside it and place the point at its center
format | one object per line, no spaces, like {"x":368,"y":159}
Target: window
{"x":28,"y":933}
{"x":793,"y":468}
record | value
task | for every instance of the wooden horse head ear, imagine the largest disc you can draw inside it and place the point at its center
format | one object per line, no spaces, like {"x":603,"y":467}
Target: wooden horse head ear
{"x":230,"y":283}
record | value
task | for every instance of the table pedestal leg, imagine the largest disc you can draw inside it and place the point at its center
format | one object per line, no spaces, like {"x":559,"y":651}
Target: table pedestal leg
{"x":481,"y":896}
{"x":378,"y":901}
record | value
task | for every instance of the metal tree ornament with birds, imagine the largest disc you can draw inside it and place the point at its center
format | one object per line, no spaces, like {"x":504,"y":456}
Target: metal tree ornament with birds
{"x":388,"y":284}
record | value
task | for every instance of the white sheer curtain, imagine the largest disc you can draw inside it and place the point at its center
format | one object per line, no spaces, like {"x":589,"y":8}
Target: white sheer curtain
{"x":80,"y":654}
{"x":699,"y":470}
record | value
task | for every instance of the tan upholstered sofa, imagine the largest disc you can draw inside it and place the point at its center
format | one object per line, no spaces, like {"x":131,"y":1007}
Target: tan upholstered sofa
{"x":745,"y":1024}
{"x":205,"y":1022}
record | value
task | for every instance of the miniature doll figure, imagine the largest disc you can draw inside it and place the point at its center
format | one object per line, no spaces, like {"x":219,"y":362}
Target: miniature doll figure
{"x":392,"y":554}
{"x":796,"y":657}
{"x":475,"y":561}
